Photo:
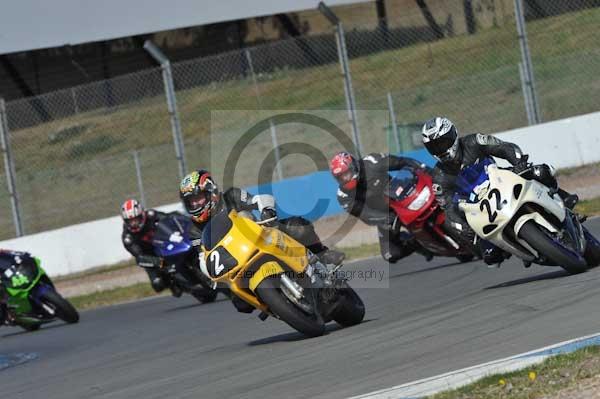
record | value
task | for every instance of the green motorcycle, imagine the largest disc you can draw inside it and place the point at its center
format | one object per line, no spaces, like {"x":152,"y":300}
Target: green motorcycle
{"x":32,"y":299}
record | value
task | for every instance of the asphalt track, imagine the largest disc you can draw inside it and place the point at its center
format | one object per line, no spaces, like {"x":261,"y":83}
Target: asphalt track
{"x":435,"y":317}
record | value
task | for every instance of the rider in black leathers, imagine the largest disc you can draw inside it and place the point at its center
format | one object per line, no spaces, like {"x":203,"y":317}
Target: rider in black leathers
{"x":453,"y":153}
{"x":362,"y":185}
{"x":139,"y":226}
{"x":202,"y":200}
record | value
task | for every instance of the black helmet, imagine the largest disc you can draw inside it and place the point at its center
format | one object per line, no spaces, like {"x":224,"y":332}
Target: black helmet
{"x":441,"y":138}
{"x":199,"y":194}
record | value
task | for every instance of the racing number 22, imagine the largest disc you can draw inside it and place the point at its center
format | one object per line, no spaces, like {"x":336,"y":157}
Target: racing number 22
{"x":492,"y":215}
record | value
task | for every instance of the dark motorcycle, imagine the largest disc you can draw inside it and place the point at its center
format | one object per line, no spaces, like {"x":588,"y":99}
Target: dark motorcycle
{"x":179,"y":259}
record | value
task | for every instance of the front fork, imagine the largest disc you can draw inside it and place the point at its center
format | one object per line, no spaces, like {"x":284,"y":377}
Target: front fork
{"x":35,"y":298}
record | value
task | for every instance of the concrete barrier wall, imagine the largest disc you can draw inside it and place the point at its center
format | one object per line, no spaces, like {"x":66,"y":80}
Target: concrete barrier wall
{"x":565,"y":143}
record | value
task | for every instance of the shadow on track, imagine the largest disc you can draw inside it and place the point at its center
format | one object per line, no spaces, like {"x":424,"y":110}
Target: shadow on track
{"x":296,"y":336}
{"x":20,"y":331}
{"x":429,"y":269}
{"x":194,"y":305}
{"x":526,"y":280}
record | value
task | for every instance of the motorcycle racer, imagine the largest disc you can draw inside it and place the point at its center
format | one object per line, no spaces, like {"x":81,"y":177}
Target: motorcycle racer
{"x":202,"y":199}
{"x":362,"y":184}
{"x":454,"y":153}
{"x":139,"y":226}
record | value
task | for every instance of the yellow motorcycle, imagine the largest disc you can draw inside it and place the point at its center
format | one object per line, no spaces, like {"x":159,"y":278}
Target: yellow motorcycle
{"x":277,"y":275}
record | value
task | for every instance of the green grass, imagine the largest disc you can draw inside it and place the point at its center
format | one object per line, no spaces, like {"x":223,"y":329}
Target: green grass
{"x":359,"y":252}
{"x":113,"y":296}
{"x":80,"y":168}
{"x":539,"y":381}
{"x":589,"y":207}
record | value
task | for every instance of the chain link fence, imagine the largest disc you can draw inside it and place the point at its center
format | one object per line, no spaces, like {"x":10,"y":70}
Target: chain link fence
{"x":78,"y":153}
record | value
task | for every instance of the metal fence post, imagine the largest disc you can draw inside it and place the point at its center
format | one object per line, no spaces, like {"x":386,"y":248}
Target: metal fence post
{"x":393,"y":121}
{"x":526,"y":60}
{"x":74,"y":98}
{"x":345,"y":65}
{"x":526,"y":95}
{"x":273,"y":130}
{"x":165,"y":66}
{"x":138,"y":173}
{"x":9,"y":169}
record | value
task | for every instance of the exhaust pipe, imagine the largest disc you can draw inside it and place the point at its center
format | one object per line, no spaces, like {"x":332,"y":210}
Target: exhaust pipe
{"x":292,"y":287}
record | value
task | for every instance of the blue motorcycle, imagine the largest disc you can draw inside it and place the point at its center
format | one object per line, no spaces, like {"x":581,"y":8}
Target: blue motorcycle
{"x":179,"y":266}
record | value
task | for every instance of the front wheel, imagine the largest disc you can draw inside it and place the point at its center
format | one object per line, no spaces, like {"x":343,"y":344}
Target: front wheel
{"x":352,"y":309}
{"x":592,"y":249}
{"x":62,"y":308}
{"x":550,"y":248}
{"x":270,"y":293}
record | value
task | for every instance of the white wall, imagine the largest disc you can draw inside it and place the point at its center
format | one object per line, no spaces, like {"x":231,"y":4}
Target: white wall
{"x":565,"y":143}
{"x":79,"y":247}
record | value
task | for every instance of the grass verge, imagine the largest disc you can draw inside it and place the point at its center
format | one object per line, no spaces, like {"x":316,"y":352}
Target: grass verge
{"x":569,"y":372}
{"x":113,"y":296}
{"x":589,"y":207}
{"x":361,"y":251}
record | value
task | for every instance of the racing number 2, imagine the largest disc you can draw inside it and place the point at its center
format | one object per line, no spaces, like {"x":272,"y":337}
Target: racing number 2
{"x":215,"y":259}
{"x":492,"y":215}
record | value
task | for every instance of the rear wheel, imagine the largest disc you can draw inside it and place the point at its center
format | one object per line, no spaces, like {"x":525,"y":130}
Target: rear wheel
{"x":270,"y":293}
{"x":352,"y":309}
{"x":549,"y":247}
{"x":62,"y":308}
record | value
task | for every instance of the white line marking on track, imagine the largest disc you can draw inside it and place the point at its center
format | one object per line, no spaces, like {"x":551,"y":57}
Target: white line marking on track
{"x":458,"y":378}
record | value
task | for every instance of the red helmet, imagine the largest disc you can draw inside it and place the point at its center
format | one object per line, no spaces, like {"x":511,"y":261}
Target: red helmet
{"x":346,"y":169}
{"x":133,"y":215}
{"x":200,"y":195}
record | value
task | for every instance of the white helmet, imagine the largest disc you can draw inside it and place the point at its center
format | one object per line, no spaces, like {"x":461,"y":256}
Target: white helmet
{"x":440,"y":138}
{"x":133,"y":215}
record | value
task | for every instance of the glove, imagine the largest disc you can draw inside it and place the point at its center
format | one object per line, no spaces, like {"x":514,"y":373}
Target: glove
{"x":268,"y":214}
{"x":522,"y":165}
{"x":263,"y":201}
{"x":266,"y":207}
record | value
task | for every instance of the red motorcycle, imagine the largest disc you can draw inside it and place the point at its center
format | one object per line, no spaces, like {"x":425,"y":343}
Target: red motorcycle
{"x":413,"y":201}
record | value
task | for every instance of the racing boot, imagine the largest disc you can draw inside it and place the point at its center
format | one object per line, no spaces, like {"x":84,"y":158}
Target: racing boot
{"x":176,"y":291}
{"x":492,"y":255}
{"x":241,"y":305}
